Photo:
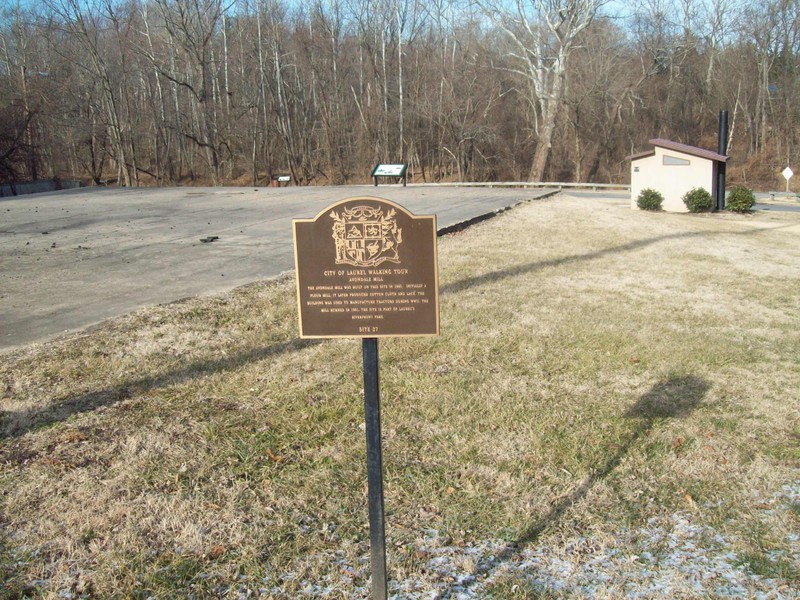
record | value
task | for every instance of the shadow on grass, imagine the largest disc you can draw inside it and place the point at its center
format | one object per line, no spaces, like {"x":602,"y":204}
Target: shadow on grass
{"x":17,"y":424}
{"x":674,"y":398}
{"x":493,"y":276}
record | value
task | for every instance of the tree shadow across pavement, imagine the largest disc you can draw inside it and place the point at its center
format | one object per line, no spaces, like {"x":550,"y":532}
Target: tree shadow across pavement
{"x":677,"y":397}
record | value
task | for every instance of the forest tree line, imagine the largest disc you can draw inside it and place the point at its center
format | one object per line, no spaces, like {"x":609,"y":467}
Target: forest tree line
{"x":151,"y":92}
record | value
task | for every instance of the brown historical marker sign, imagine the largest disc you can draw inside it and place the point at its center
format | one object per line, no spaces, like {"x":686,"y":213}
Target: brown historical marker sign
{"x":366,"y":267}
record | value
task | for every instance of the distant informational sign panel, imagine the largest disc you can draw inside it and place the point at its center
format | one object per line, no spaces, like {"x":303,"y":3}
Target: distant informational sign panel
{"x":389,"y":170}
{"x":398,"y":171}
{"x":277,"y":180}
{"x":366,"y":267}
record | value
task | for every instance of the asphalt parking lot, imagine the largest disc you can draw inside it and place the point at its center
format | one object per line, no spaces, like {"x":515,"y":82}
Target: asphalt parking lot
{"x":71,"y":259}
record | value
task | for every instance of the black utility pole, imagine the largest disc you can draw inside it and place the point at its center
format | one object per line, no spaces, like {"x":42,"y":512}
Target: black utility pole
{"x":372,"y":414}
{"x":722,"y":148}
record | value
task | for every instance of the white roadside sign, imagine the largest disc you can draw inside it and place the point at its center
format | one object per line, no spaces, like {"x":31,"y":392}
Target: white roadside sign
{"x":787,"y":174}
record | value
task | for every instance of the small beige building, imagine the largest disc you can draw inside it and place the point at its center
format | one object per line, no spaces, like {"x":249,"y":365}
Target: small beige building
{"x":673,"y":169}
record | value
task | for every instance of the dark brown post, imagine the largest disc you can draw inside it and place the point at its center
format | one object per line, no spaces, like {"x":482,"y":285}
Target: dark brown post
{"x":372,"y":414}
{"x":722,"y":148}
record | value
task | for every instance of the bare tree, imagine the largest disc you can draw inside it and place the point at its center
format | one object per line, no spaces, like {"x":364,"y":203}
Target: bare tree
{"x":18,"y":153}
{"x":216,"y":88}
{"x":543,"y":35}
{"x":193,"y":25}
{"x":718,"y":15}
{"x":85,"y":22}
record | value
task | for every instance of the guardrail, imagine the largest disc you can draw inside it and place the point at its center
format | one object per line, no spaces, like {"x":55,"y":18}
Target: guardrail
{"x":538,"y":184}
{"x":37,"y":187}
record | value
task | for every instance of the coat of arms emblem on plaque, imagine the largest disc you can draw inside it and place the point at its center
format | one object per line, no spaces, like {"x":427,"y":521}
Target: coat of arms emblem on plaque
{"x":365,"y":237}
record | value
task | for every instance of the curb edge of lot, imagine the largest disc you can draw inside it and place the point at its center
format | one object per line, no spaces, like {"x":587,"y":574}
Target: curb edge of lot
{"x":456,"y":227}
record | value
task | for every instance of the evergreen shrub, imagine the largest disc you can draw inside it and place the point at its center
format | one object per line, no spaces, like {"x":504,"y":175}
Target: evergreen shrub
{"x":741,"y":199}
{"x":698,"y":200}
{"x":650,"y":199}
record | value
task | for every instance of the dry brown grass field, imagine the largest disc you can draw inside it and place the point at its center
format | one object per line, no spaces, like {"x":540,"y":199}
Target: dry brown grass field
{"x":607,"y":382}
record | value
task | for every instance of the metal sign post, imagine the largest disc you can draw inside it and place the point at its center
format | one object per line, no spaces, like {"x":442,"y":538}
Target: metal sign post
{"x":372,"y":413}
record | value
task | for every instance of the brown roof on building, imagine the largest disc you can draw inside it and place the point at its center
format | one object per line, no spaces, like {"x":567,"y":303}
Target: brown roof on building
{"x":639,"y":155}
{"x":686,"y":149}
{"x":678,"y":147}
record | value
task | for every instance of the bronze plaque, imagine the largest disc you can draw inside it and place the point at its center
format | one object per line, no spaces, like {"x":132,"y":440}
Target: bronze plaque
{"x":366,"y":267}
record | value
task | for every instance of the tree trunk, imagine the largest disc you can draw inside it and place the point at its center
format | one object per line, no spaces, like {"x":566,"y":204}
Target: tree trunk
{"x":550,"y":108}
